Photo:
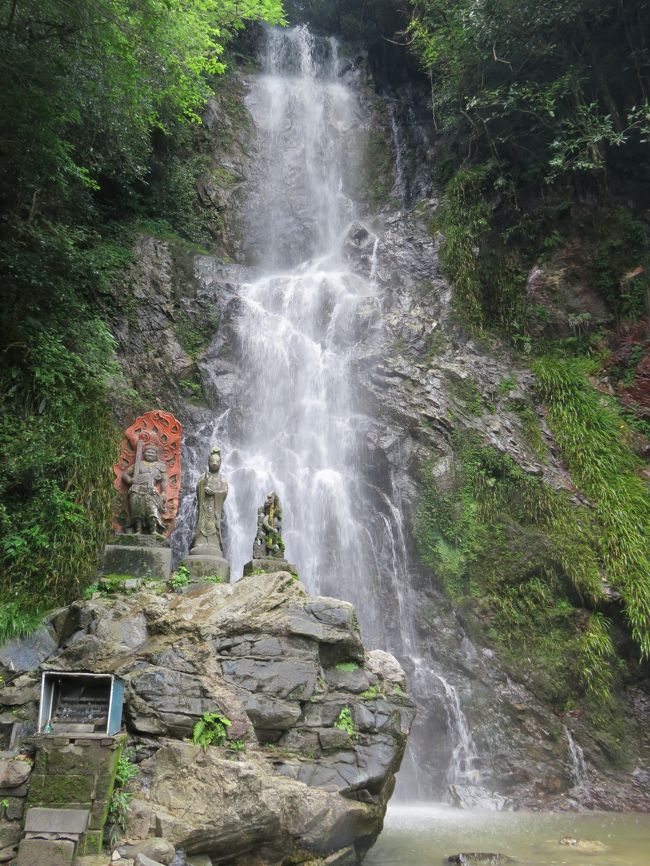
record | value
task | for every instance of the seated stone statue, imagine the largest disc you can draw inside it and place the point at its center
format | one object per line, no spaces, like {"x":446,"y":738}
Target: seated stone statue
{"x":211,"y":493}
{"x":146,"y":482}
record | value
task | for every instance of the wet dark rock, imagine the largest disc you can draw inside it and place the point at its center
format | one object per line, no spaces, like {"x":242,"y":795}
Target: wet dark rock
{"x":479,"y":859}
{"x":26,"y":654}
{"x":475,"y":797}
{"x":584,"y":846}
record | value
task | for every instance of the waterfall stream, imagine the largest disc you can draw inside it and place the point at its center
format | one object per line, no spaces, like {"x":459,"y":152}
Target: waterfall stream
{"x":297,"y":421}
{"x":579,"y":770}
{"x":462,"y":767}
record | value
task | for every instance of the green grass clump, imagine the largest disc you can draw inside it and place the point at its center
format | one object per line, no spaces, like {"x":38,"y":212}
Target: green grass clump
{"x":372,"y":693}
{"x":523,"y":562}
{"x":17,"y":622}
{"x":591,"y":433}
{"x":347,"y":667}
{"x":180,"y":578}
{"x":509,"y":522}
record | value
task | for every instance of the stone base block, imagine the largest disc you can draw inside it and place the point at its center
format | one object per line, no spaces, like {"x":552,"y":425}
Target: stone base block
{"x":92,"y":842}
{"x":45,"y":852}
{"x":137,"y":560}
{"x":269,"y":565}
{"x":201,"y":566}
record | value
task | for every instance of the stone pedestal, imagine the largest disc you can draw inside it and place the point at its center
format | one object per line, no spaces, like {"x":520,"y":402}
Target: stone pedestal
{"x":207,"y":561}
{"x":138,"y":556}
{"x":269,"y":564}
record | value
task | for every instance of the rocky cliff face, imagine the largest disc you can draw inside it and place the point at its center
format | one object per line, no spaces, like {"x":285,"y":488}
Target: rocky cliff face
{"x":425,"y":385}
{"x":318,"y":725}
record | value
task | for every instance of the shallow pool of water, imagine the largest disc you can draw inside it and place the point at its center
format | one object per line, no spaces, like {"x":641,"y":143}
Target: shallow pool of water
{"x":425,"y":835}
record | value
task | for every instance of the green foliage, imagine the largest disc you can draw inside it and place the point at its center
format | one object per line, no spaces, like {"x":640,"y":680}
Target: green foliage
{"x":16,"y":621}
{"x":522,"y":559}
{"x":596,"y":650}
{"x":371,"y":177}
{"x":530,"y":425}
{"x":211,"y":729}
{"x":120,"y":797}
{"x":468,"y":392}
{"x":237,"y":745}
{"x":126,"y":770}
{"x":194,"y":335}
{"x":99,"y":104}
{"x":345,"y":722}
{"x":544,"y":90}
{"x":180,"y":578}
{"x":550,"y":102}
{"x":621,"y":261}
{"x":85,"y":84}
{"x":355,"y":19}
{"x":56,"y":434}
{"x":505,"y":386}
{"x":590,"y":432}
{"x":372,"y":693}
{"x":492,"y":493}
{"x":347,"y":667}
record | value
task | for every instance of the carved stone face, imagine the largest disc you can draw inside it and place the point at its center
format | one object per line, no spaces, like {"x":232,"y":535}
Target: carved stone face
{"x":150,"y":454}
{"x":214,"y":461}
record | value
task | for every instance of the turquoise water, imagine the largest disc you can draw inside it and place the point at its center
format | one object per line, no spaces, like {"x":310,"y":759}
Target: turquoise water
{"x":425,"y":835}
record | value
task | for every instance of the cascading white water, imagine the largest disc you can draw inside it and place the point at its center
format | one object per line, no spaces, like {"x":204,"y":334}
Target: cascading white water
{"x":579,"y":770}
{"x":296,"y":422}
{"x":462,"y":768}
{"x":300,"y":429}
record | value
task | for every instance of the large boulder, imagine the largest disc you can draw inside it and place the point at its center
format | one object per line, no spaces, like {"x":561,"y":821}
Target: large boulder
{"x":318,"y":725}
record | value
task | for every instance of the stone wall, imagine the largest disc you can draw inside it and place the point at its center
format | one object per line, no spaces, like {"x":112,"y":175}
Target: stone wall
{"x":77,"y":773}
{"x":15,"y":770}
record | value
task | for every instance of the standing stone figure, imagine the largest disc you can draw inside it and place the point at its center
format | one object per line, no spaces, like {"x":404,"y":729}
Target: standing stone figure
{"x":146,"y":482}
{"x":148,"y":477}
{"x":211,"y":492}
{"x":268,"y":541}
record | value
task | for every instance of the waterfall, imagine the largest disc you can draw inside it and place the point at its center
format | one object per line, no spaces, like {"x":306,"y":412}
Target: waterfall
{"x":579,"y":771}
{"x":462,"y":767}
{"x":300,"y":429}
{"x":297,"y":420}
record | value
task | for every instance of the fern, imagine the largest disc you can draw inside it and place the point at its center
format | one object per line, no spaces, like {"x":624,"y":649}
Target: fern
{"x":211,"y":729}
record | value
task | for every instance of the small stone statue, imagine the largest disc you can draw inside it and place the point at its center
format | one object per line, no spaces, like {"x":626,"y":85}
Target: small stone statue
{"x":211,"y":492}
{"x":268,"y":547}
{"x":146,"y":482}
{"x":268,"y":541}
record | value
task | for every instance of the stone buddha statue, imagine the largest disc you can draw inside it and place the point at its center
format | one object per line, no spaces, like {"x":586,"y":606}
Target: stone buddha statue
{"x":211,"y":493}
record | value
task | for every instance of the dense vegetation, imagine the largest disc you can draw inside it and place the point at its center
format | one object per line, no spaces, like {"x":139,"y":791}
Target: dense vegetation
{"x":543,"y":129}
{"x":543,"y":106}
{"x":97,"y":103}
